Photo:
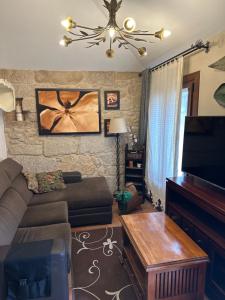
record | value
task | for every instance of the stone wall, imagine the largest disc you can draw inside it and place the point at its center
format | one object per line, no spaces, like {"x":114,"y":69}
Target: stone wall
{"x":93,"y":155}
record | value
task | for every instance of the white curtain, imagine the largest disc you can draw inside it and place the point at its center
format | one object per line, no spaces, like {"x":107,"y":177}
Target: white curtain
{"x":3,"y":151}
{"x":163,"y":126}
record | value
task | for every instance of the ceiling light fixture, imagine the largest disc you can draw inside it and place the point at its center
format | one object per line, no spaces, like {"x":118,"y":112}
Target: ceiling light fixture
{"x":126,"y":36}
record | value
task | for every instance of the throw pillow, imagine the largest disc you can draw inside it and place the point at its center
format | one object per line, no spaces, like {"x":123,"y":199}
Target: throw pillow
{"x":32,"y":182}
{"x":50,"y":181}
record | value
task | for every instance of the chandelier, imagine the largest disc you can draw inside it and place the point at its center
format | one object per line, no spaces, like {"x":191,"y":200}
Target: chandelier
{"x":124,"y":37}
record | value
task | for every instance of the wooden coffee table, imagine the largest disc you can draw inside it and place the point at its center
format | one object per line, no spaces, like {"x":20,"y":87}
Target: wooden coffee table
{"x":164,"y":262}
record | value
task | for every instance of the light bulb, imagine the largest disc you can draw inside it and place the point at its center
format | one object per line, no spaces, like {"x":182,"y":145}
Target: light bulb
{"x":65,"y":23}
{"x":112,"y":32}
{"x":62,"y":43}
{"x":166,"y":33}
{"x":68,"y":23}
{"x":65,"y":41}
{"x":129,"y":24}
{"x":162,"y":34}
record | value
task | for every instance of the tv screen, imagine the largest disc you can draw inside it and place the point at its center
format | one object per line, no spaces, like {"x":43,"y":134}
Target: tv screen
{"x":204,"y":149}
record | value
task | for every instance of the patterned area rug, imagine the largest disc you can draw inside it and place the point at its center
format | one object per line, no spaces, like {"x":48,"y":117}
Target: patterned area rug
{"x":97,"y":270}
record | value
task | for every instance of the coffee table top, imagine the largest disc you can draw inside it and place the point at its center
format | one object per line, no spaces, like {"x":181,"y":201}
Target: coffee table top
{"x":159,"y":241}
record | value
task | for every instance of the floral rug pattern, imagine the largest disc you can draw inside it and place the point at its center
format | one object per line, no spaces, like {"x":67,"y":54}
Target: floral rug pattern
{"x":97,"y":270}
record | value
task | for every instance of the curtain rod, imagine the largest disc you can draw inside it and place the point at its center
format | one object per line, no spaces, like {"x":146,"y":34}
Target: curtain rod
{"x":194,"y":47}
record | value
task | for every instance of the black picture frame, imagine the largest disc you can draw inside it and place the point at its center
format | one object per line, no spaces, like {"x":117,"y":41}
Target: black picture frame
{"x":112,"y":106}
{"x":40,"y":108}
{"x":106,"y":129}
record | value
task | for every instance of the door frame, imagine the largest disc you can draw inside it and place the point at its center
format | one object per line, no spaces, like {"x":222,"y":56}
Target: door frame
{"x":192,"y":82}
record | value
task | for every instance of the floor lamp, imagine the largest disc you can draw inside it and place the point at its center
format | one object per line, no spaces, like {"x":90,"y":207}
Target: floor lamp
{"x":118,"y":126}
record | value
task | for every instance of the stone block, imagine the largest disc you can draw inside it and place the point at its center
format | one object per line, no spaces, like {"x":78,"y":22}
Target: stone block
{"x":24,"y":149}
{"x":24,"y":90}
{"x":60,"y":146}
{"x":127,"y":76}
{"x":29,"y":104}
{"x":2,"y":74}
{"x":85,"y":164}
{"x":95,"y":144}
{"x":19,"y":76}
{"x":58,"y":77}
{"x":36,"y":164}
{"x":100,"y":78}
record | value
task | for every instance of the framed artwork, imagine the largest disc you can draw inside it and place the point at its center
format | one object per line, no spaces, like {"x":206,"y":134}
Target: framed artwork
{"x":112,"y":100}
{"x":68,"y":111}
{"x":106,"y":128}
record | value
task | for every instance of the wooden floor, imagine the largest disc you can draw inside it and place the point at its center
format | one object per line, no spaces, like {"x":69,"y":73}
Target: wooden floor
{"x":146,"y":207}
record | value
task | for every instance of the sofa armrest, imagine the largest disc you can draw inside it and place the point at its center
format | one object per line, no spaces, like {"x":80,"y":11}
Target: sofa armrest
{"x":72,"y":177}
{"x":37,"y":270}
{"x":3,"y":254}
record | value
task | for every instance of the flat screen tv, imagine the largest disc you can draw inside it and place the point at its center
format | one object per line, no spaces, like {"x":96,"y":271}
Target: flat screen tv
{"x":204,"y":149}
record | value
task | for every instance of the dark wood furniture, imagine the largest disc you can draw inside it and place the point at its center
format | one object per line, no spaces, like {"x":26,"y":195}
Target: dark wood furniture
{"x":199,"y":208}
{"x":164,"y":261}
{"x":135,"y":169}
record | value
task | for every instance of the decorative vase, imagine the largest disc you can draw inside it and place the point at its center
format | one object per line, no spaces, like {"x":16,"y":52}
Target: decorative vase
{"x":19,"y":110}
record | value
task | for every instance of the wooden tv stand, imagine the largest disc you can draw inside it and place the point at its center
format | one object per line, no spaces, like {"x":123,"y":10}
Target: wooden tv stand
{"x":199,"y":209}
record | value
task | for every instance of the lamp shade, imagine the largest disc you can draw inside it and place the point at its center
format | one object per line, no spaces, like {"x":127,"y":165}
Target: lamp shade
{"x":117,"y":125}
{"x":7,"y":96}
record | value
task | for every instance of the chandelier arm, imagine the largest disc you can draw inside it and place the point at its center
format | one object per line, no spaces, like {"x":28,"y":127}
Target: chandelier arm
{"x":86,"y":38}
{"x":89,"y":28}
{"x":95,"y":44}
{"x":127,"y":41}
{"x":145,"y":34}
{"x":89,"y":37}
{"x":122,"y":45}
{"x":76,"y":34}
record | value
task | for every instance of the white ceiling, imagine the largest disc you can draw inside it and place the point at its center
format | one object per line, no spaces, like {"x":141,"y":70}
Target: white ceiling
{"x":30,"y":31}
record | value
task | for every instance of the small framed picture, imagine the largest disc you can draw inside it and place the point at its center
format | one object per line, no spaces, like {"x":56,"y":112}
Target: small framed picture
{"x":112,"y":100}
{"x":106,"y":128}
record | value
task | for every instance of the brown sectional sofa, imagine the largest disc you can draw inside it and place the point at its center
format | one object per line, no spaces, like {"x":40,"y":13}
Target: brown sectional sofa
{"x":28,"y":220}
{"x":89,"y":201}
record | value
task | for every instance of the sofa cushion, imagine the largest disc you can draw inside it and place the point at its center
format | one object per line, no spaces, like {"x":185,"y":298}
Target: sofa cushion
{"x":71,"y":177}
{"x":11,"y":167}
{"x":45,"y":214}
{"x":13,"y":202}
{"x":20,"y":185}
{"x":48,"y":232}
{"x":8,"y":226}
{"x":4,"y":182}
{"x":90,"y":192}
{"x":32,"y":183}
{"x":50,"y":181}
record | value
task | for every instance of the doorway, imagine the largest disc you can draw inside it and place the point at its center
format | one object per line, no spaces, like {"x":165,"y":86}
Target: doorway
{"x":189,"y":107}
